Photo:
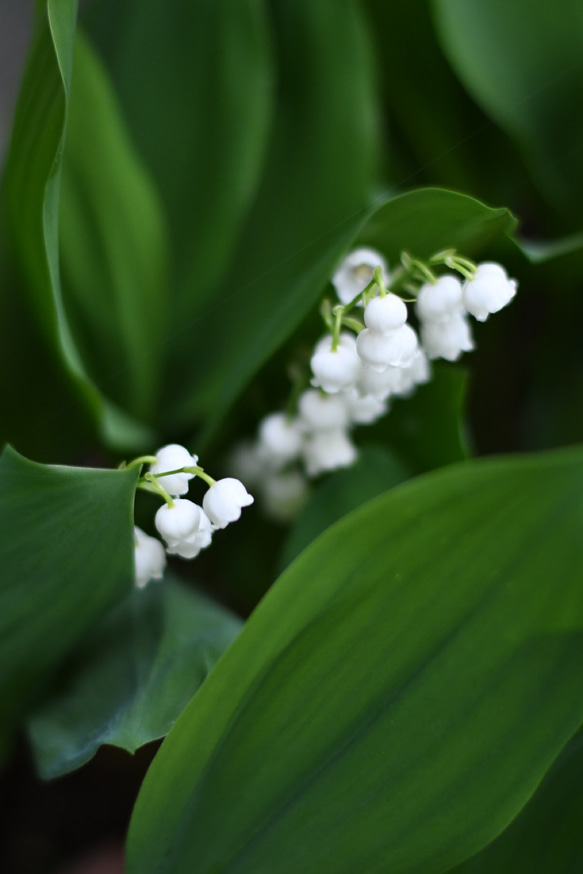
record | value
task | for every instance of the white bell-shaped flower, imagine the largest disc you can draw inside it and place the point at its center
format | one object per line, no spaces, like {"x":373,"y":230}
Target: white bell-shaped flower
{"x":317,"y":411}
{"x":328,"y":450}
{"x":335,"y":370}
{"x":284,"y":495}
{"x":380,"y":384}
{"x":189,"y":547}
{"x":280,"y":439}
{"x":447,"y":339}
{"x":224,"y":500}
{"x":356,"y":271}
{"x":364,"y":409}
{"x":439,"y":300}
{"x":173,"y":457}
{"x":180,"y":522}
{"x":149,"y":558}
{"x":395,"y":349}
{"x":489,"y":291}
{"x":385,"y":313}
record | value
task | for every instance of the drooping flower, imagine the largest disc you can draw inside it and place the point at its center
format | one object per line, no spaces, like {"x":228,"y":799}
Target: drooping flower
{"x":356,"y":271}
{"x":328,"y":450}
{"x":149,"y":558}
{"x":173,"y":457}
{"x":335,"y":370}
{"x":489,"y":291}
{"x":447,"y":339}
{"x":224,"y":500}
{"x":280,"y":439}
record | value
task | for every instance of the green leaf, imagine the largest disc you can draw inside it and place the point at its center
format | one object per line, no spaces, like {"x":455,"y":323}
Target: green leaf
{"x":129,"y":681}
{"x":376,"y":470}
{"x":195,"y":82}
{"x":546,"y":837}
{"x":66,"y":556}
{"x":428,"y":430}
{"x":316,"y":182}
{"x":424,"y":221}
{"x":30,"y":197}
{"x":522,"y":62}
{"x":397,"y":696}
{"x":113,"y":244}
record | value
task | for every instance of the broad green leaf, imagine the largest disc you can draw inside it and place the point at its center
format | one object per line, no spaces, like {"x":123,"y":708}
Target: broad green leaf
{"x":396,"y":697}
{"x":316,"y":181}
{"x":426,"y":220}
{"x":376,"y":470}
{"x":522,"y":62}
{"x":132,"y":677}
{"x":195,"y":82}
{"x":546,"y":837}
{"x":541,"y":251}
{"x":428,"y":430}
{"x":30,"y":199}
{"x":113,"y":244}
{"x":66,"y":556}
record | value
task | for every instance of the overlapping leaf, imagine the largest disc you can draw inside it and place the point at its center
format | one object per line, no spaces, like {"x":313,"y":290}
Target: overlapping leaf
{"x":132,"y":677}
{"x":397,"y":696}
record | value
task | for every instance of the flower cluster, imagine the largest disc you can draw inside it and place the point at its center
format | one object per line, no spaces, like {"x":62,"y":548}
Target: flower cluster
{"x":185,"y":527}
{"x":370,"y":354}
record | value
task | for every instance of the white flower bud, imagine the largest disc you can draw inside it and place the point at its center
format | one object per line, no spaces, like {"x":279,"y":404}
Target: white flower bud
{"x":179,"y":522}
{"x":437,"y":301}
{"x":356,"y":271}
{"x":224,"y":500}
{"x":364,"y":410}
{"x":447,"y":339}
{"x":280,"y":439}
{"x":149,"y":558}
{"x":318,"y":411}
{"x":385,"y":313}
{"x":489,"y":291}
{"x":284,"y":495}
{"x":328,"y":450}
{"x":396,"y":348}
{"x":335,"y":371}
{"x":172,"y":457}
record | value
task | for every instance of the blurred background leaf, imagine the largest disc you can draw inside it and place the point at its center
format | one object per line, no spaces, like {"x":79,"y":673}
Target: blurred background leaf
{"x":113,"y":245}
{"x":128,"y":682}
{"x":521,"y":61}
{"x":30,"y":194}
{"x":434,"y":633}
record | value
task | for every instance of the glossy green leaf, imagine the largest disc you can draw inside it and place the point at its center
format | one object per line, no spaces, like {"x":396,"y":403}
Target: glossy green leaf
{"x":66,"y":556}
{"x":398,"y":694}
{"x":30,"y":199}
{"x":427,"y":220}
{"x":376,"y":470}
{"x":316,"y":181}
{"x":546,"y":837}
{"x":195,"y":82}
{"x":113,"y":244}
{"x":522,"y":62}
{"x":132,"y":677}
